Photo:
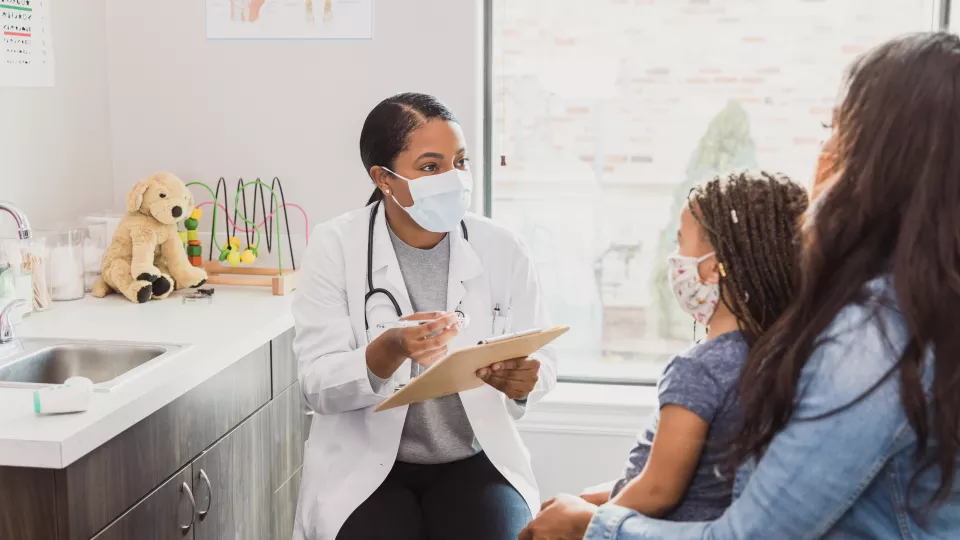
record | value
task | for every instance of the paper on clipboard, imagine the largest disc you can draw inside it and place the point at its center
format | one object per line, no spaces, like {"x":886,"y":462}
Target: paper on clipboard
{"x":458,"y":372}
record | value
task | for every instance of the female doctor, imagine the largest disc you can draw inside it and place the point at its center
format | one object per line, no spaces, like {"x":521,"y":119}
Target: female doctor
{"x":453,"y":467}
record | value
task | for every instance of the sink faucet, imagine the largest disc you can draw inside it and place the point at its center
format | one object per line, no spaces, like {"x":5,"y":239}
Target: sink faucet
{"x":23,"y":226}
{"x":6,"y":327}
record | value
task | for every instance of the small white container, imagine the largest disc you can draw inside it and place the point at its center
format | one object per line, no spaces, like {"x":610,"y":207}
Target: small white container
{"x":71,"y":396}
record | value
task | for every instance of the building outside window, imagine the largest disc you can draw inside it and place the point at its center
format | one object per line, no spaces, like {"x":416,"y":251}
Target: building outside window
{"x":607,"y":112}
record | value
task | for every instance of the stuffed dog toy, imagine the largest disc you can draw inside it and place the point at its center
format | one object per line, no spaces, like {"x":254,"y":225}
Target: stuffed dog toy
{"x":146,"y":258}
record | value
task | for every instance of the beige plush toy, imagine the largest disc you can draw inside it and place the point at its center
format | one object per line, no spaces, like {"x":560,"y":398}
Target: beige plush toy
{"x":146,"y":258}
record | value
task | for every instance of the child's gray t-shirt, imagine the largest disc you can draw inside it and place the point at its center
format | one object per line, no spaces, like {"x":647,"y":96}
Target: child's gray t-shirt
{"x":704,"y":380}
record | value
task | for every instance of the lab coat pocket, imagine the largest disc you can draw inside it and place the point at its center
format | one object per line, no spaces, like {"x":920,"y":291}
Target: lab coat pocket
{"x":499,"y":326}
{"x":502,"y":321}
{"x":380,"y":312}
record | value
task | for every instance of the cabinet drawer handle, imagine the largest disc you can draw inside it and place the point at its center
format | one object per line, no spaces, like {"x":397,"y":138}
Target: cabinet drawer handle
{"x":184,"y":488}
{"x":308,"y":412}
{"x":206,"y":480}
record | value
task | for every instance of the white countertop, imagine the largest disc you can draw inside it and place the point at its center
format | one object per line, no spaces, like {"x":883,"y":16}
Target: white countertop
{"x":239,"y":320}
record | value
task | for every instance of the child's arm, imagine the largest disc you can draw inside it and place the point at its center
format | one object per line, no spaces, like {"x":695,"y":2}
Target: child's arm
{"x":673,"y":460}
{"x":599,"y":494}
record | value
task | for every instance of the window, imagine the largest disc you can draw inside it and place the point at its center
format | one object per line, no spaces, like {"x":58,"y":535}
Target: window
{"x":606,"y":112}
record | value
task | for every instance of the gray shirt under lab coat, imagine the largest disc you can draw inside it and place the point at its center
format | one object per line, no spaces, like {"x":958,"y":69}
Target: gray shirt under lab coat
{"x":438,"y":430}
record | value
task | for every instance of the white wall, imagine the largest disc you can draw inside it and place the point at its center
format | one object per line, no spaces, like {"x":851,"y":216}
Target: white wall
{"x":293,"y":109}
{"x":569,"y":462}
{"x":579,"y":436}
{"x":55,"y":142}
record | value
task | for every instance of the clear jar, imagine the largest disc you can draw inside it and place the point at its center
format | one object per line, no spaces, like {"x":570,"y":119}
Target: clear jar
{"x":65,"y":267}
{"x":94,"y":246}
{"x":17,"y":281}
{"x":36,"y":255}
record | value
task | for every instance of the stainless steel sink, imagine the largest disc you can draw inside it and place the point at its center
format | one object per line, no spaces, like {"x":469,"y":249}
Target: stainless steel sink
{"x":46,"y":362}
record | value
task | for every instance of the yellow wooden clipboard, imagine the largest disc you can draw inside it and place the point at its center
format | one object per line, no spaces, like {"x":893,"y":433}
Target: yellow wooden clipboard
{"x":458,"y":372}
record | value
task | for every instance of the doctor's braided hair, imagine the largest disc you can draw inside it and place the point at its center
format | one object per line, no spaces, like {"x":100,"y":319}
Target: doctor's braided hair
{"x":753,"y":224}
{"x":388,"y":126}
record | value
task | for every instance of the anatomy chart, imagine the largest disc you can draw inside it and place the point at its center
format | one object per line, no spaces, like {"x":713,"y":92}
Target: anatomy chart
{"x":289,"y":19}
{"x":26,"y":53}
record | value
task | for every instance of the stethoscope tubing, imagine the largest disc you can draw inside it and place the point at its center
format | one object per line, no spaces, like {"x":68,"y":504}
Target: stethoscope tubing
{"x":374,"y":290}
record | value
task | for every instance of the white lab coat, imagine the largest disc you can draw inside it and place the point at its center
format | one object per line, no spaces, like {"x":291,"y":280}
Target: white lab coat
{"x":351,"y":448}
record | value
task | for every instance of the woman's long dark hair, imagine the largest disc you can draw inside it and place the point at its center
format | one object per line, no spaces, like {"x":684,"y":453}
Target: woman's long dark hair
{"x":389,"y":124}
{"x":894,"y":210}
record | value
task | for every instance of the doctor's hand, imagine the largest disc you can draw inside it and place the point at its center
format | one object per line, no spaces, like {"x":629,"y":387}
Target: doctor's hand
{"x":516,"y":378}
{"x":424,"y":344}
{"x":563,"y":518}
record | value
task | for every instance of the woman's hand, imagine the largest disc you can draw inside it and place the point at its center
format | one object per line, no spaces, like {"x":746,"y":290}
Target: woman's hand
{"x":425,"y":344}
{"x":563,"y":518}
{"x":516,"y":378}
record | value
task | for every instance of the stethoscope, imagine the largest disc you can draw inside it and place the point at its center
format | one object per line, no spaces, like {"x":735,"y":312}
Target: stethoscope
{"x":373,"y":290}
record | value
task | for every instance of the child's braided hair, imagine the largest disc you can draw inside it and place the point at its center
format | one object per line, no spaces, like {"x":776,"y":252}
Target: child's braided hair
{"x":753,"y":223}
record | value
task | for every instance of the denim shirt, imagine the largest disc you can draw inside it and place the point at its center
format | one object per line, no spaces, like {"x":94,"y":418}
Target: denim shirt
{"x":842,"y":476}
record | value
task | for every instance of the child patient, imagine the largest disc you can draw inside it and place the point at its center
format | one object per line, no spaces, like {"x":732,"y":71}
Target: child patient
{"x":734,"y":271}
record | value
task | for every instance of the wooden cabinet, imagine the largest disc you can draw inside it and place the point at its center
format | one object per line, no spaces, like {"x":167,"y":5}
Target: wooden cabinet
{"x":133,"y":463}
{"x":287,"y":412}
{"x":232,"y":483}
{"x":289,"y":426}
{"x":283,"y":361}
{"x":29,"y":509}
{"x":227,"y":453}
{"x":226,"y":490}
{"x":167,"y":513}
{"x":285,"y":507}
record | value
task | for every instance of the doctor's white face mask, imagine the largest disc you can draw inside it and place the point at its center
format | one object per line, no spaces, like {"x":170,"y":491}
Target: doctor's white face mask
{"x":440,"y":200}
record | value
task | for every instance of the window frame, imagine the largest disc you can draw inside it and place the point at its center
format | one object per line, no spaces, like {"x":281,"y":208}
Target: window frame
{"x":942,"y":19}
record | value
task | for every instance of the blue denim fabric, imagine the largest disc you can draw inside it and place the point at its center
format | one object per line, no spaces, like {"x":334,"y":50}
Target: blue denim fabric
{"x":840,"y":477}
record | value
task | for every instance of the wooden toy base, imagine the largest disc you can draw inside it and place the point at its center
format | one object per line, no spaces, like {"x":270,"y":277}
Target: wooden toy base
{"x":218,"y":274}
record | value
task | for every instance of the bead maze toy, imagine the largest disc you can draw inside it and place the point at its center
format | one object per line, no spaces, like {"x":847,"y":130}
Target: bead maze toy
{"x":191,"y":238}
{"x":232,"y":265}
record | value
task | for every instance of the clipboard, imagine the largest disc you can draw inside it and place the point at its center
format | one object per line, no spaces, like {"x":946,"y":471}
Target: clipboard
{"x":458,"y":372}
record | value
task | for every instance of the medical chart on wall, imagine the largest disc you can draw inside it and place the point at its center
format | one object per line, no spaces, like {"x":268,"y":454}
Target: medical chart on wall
{"x":26,"y":55}
{"x":289,"y":19}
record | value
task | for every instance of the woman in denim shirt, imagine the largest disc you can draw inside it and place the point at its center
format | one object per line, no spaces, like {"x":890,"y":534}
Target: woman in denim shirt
{"x":852,"y":421}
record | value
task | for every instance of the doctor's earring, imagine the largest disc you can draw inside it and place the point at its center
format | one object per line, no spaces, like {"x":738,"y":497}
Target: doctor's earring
{"x":388,"y":192}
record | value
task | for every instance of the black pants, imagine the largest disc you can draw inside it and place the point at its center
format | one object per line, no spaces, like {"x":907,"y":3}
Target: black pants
{"x":463,"y":500}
